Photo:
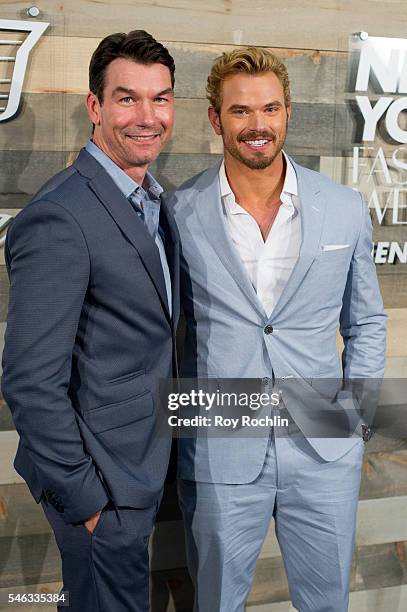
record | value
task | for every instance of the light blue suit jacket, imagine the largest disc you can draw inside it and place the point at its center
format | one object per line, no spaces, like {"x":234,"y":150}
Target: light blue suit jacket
{"x":226,"y":320}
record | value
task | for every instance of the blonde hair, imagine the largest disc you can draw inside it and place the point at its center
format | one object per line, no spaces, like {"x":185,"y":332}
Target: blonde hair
{"x":249,"y":60}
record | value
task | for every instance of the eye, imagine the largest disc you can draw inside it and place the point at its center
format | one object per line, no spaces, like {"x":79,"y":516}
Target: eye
{"x":272,"y":108}
{"x":126,"y":100}
{"x":160,"y":100}
{"x":239,"y":111}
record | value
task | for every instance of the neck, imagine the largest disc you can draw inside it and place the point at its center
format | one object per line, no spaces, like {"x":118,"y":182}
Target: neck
{"x":257,"y":188}
{"x":137,"y":173}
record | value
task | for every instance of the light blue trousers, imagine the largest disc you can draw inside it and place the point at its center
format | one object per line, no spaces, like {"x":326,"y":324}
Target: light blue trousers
{"x":314,"y":505}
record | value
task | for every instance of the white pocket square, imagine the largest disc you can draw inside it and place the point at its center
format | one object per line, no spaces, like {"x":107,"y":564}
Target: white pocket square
{"x":334,"y":247}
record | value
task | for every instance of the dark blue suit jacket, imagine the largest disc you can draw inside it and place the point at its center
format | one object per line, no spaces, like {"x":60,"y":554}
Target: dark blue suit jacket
{"x":88,"y":338}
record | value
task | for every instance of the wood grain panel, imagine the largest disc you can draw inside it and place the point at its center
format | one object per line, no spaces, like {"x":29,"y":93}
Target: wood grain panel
{"x":384,"y":474}
{"x":396,"y":367}
{"x":222,"y":21}
{"x":394,"y":292}
{"x":8,"y":448}
{"x":397,"y":327}
{"x":384,"y":444}
{"x":173,"y":169}
{"x":31,"y":559}
{"x":20,"y":516}
{"x":59,"y":123}
{"x":35,"y":558}
{"x":315,"y":76}
{"x":22,"y":173}
{"x":4,"y":290}
{"x":387,"y":599}
{"x":165,"y":588}
{"x":14,"y":201}
{"x":373,"y":567}
{"x":6,"y":421}
{"x":50,"y":587}
{"x":373,"y":525}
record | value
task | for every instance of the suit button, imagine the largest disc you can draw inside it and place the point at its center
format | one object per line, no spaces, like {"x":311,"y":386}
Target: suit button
{"x":265,"y":381}
{"x":268,"y":329}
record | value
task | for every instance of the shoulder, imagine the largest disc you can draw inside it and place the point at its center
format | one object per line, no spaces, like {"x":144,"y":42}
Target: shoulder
{"x":50,"y":213}
{"x":67,"y":189}
{"x":185,"y":195}
{"x":56,"y":183}
{"x":62,"y":197}
{"x":339,"y":198}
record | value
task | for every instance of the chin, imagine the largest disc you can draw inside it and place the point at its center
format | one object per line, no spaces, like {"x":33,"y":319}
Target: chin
{"x":142,"y":161}
{"x":257,"y":163}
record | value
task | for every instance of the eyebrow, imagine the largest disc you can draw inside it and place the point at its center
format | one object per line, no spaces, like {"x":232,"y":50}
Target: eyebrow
{"x":132,"y":92}
{"x":243,"y":107}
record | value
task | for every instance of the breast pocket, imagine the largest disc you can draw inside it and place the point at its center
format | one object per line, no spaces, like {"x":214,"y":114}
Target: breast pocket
{"x":331,"y":260}
{"x":333,"y":252}
{"x":327,"y":276}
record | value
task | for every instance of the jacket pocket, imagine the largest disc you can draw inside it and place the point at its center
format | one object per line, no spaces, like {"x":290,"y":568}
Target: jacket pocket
{"x":120,"y":414}
{"x":126,"y":377}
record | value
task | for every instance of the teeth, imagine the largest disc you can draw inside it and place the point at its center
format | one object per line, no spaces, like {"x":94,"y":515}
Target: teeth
{"x":257,"y":143}
{"x":143,"y":137}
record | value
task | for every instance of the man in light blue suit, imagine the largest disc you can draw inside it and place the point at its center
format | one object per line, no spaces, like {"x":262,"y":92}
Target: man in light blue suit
{"x":274,"y":258}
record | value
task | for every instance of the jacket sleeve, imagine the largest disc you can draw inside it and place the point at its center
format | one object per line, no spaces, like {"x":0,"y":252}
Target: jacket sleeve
{"x":48,"y":265}
{"x":362,"y":319}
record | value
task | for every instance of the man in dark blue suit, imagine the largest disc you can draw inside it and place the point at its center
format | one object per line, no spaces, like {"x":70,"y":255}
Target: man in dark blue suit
{"x":93,"y":265}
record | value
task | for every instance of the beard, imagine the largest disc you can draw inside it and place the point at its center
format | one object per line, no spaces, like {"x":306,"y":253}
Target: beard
{"x":258,"y":160}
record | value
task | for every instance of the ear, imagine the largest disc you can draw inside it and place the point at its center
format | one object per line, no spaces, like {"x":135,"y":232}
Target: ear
{"x":214,"y":119}
{"x":289,"y":110}
{"x":93,"y":108}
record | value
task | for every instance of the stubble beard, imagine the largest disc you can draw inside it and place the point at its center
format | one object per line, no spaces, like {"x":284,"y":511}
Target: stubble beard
{"x":255,"y":163}
{"x":138,"y":159}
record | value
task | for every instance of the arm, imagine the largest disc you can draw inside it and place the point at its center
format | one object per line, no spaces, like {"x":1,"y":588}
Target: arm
{"x":363,"y":325}
{"x":362,"y":319}
{"x":48,"y":264}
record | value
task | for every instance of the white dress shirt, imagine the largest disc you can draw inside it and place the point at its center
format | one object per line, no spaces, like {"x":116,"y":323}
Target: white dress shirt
{"x":268,"y":263}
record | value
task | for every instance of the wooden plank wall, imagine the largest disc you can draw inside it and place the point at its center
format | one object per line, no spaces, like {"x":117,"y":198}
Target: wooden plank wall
{"x":52,"y":126}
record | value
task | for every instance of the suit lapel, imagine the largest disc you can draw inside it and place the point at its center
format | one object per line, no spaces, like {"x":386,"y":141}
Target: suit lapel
{"x":312,"y":211}
{"x":126,"y":219}
{"x":212,"y":219}
{"x":171,"y":244}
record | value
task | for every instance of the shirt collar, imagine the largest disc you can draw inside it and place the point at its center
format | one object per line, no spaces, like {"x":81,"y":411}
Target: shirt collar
{"x":290,"y":182}
{"x":290,"y":187}
{"x":124,"y":182}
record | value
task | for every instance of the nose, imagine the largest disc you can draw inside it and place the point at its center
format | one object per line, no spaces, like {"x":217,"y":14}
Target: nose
{"x":145,"y":114}
{"x":257,"y":121}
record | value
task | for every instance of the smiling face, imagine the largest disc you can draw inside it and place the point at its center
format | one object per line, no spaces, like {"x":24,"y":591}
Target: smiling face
{"x":136,"y":118}
{"x":253,"y":119}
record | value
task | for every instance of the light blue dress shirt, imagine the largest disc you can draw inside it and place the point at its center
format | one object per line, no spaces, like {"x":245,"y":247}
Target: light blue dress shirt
{"x":144,"y":199}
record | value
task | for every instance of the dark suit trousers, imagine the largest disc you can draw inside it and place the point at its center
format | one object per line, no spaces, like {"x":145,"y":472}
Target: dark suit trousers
{"x":108,"y":570}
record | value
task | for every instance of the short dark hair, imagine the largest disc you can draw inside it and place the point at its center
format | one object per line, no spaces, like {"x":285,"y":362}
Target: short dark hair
{"x":137,"y":45}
